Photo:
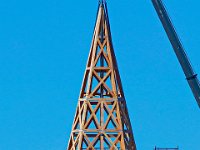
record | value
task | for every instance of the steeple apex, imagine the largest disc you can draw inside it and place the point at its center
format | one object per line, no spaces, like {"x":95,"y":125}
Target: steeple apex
{"x":102,"y":1}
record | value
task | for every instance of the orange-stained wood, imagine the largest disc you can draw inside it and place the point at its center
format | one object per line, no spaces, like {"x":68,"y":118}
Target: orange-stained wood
{"x":101,"y":120}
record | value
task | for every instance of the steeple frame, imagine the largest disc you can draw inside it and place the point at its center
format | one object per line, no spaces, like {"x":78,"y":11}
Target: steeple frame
{"x":101,"y":120}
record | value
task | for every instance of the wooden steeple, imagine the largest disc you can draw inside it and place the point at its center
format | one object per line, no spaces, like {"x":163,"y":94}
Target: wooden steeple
{"x":101,"y":119}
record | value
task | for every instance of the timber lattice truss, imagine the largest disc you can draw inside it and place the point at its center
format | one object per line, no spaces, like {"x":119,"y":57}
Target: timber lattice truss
{"x":101,"y":120}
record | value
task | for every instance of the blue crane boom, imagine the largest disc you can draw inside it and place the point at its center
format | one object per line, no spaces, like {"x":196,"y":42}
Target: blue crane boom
{"x":191,"y":76}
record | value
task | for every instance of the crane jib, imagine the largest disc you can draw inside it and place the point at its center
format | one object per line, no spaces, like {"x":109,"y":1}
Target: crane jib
{"x":191,"y":76}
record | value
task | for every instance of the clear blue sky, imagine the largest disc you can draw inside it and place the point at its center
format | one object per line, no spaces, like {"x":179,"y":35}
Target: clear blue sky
{"x":44,"y":46}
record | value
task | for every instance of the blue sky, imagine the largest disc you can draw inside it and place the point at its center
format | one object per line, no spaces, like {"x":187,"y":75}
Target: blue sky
{"x":44,"y":45}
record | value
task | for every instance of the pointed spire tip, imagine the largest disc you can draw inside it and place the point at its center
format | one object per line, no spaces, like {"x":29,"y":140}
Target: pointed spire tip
{"x":102,"y":1}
